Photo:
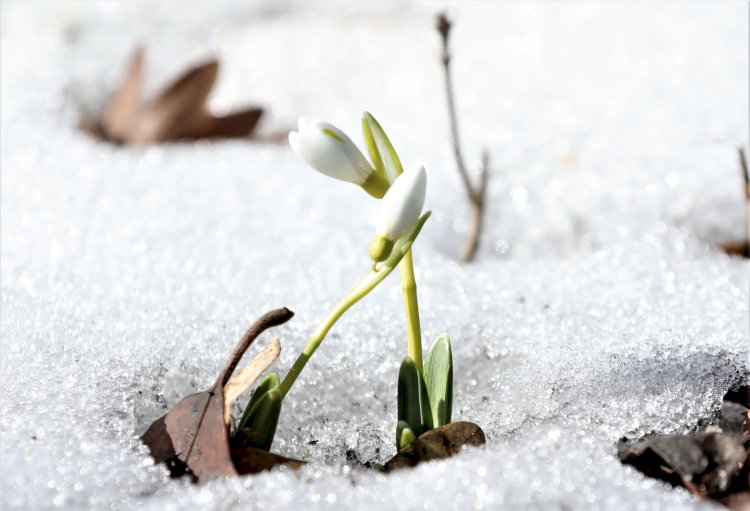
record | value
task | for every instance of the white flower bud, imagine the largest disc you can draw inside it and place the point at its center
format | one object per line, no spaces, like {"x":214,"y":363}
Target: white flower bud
{"x":328,"y":150}
{"x":399,"y":209}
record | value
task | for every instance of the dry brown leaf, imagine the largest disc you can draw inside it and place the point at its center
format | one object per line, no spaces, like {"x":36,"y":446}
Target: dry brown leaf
{"x":245,"y":377}
{"x":436,"y":444}
{"x":178,"y":109}
{"x":741,"y":249}
{"x":179,"y":112}
{"x":123,"y":110}
{"x":714,"y":463}
{"x":234,"y":125}
{"x":249,"y":460}
{"x":192,"y":438}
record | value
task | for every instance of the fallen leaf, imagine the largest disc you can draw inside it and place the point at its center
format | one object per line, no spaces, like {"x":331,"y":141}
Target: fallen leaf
{"x":740,"y":249}
{"x":123,"y":110}
{"x":704,"y":462}
{"x":245,"y":377}
{"x":179,"y":112}
{"x":436,"y":444}
{"x":737,"y":501}
{"x":192,"y":438}
{"x":249,"y":460}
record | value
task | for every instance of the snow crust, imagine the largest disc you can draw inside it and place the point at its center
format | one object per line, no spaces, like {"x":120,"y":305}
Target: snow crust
{"x":596,"y":309}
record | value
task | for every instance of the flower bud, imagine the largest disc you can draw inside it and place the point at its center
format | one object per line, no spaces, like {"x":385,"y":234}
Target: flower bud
{"x":399,"y":209}
{"x":328,"y":150}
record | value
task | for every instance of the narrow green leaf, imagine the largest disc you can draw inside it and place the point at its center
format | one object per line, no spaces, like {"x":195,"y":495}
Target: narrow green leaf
{"x":409,"y":407}
{"x":260,"y":426}
{"x":438,"y":375}
{"x":269,"y":382}
{"x":424,"y":399}
{"x":404,"y":435}
{"x":372,"y":146}
{"x":386,"y":153}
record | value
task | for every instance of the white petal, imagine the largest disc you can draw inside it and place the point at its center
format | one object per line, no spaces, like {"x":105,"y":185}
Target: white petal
{"x":402,"y":204}
{"x":328,"y":150}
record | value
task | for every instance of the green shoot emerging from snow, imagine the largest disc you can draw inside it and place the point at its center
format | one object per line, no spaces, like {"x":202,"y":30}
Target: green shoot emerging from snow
{"x":424,"y":393}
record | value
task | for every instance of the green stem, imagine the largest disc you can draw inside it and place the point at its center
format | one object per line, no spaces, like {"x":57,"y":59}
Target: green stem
{"x":316,"y":340}
{"x":413,"y":330}
{"x":401,"y":252}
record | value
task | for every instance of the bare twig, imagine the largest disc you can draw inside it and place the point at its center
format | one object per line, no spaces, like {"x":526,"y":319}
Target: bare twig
{"x":477,"y":210}
{"x":476,"y":195}
{"x":746,"y":179}
{"x":745,"y":173}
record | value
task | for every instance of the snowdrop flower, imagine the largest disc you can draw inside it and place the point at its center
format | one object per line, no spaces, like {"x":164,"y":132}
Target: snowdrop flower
{"x":399,"y":210}
{"x":328,"y":150}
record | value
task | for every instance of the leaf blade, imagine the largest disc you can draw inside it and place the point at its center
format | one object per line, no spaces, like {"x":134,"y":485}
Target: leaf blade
{"x":409,"y":403}
{"x":438,"y":375}
{"x":262,"y":421}
{"x":124,"y":107}
{"x":386,"y":152}
{"x":268,"y":383}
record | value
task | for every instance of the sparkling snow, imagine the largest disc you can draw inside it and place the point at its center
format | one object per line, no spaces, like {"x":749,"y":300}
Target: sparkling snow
{"x":596,"y":309}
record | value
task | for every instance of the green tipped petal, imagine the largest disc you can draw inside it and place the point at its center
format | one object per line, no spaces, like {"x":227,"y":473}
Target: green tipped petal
{"x":381,"y":150}
{"x":438,"y":376}
{"x":261,"y":422}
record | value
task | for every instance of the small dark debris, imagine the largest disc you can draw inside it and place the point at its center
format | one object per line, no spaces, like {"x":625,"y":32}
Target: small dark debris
{"x":713,"y":463}
{"x":741,"y":395}
{"x":437,"y":444}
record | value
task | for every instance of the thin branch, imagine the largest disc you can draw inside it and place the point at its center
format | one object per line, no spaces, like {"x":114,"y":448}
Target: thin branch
{"x":444,"y":28}
{"x":745,"y":173}
{"x":746,"y":180}
{"x":477,"y":211}
{"x":475,"y":195}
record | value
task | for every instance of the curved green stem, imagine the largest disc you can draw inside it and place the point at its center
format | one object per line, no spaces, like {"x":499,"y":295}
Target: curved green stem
{"x":317,"y":339}
{"x":400,"y":251}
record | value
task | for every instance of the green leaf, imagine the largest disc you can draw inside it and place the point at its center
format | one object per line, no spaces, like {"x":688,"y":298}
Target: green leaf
{"x":380,"y":148}
{"x":409,"y":403}
{"x":404,"y":435}
{"x":438,"y":376}
{"x":269,"y":382}
{"x":260,"y":426}
{"x":372,"y":146}
{"x":424,"y":399}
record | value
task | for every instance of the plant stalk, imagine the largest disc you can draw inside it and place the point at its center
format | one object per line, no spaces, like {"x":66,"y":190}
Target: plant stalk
{"x":315,"y":340}
{"x":413,"y":330}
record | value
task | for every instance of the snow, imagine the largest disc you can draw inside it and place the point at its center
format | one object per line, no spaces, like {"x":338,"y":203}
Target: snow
{"x":596,"y":309}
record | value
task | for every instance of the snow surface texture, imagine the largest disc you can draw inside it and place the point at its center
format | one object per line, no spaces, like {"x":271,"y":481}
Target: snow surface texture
{"x":596,"y":309}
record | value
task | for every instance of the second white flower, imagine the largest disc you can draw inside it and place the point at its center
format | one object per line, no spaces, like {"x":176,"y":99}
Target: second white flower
{"x":399,"y":209}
